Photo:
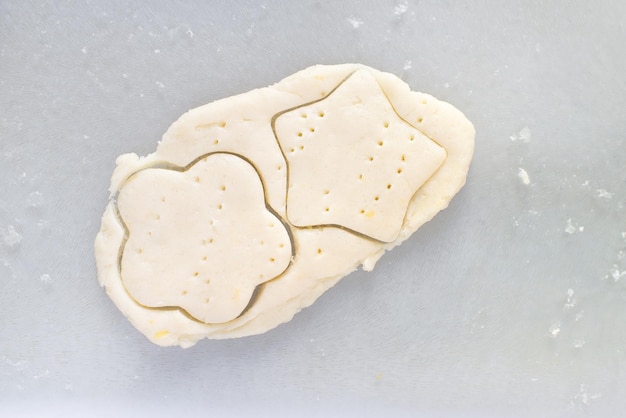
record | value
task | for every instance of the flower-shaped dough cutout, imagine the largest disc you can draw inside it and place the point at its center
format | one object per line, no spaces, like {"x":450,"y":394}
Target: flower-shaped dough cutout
{"x":201,"y":239}
{"x":353,"y":162}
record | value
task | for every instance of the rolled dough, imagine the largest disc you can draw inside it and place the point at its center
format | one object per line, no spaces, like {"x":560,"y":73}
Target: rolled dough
{"x":254,"y":205}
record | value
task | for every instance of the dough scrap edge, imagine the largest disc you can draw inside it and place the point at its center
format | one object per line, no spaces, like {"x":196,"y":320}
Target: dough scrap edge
{"x":436,"y":119}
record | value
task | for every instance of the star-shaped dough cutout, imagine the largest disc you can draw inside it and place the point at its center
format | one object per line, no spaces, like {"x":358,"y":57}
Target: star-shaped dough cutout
{"x":352,"y":161}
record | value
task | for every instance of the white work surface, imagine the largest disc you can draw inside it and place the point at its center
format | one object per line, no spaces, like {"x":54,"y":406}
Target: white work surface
{"x":511,"y":302}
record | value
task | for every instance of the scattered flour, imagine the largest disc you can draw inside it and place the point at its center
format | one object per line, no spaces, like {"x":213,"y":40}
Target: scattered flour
{"x":570,"y":228}
{"x":554,"y":329}
{"x":45,"y":278}
{"x":11,"y":237}
{"x":355,"y":21}
{"x":35,"y":200}
{"x":522,"y":136}
{"x":407,"y":65}
{"x":570,"y":302}
{"x":583,"y":396}
{"x":616,"y":274}
{"x":603,"y":194}
{"x":400,"y":9}
{"x":579,"y":316}
{"x":523,"y":176}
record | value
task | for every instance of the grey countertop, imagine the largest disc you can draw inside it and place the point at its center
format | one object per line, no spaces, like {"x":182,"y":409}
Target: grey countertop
{"x":511,"y":302}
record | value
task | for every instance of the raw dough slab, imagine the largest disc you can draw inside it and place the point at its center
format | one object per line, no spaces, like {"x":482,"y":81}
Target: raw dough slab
{"x":349,"y":161}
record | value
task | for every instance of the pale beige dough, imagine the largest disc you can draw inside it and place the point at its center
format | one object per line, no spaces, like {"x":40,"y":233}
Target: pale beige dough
{"x":345,"y":162}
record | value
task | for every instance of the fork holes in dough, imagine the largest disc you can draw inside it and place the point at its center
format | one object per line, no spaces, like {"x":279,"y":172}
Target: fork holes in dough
{"x":320,"y":114}
{"x":386,"y":124}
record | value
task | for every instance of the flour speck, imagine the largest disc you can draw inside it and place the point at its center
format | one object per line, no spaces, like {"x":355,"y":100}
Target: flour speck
{"x":554,"y":329}
{"x":400,"y":8}
{"x":523,"y":176}
{"x":603,"y":194}
{"x":11,"y":237}
{"x":522,"y":136}
{"x":355,"y":21}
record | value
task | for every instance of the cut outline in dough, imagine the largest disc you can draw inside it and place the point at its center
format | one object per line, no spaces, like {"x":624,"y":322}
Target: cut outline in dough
{"x":165,"y":165}
{"x":287,"y":165}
